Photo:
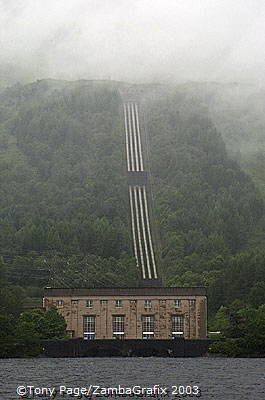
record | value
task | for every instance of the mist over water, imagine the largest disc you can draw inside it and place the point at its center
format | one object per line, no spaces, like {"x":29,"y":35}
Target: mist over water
{"x":138,"y":41}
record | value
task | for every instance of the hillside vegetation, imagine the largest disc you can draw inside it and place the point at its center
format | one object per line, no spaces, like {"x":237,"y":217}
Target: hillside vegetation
{"x":64,"y":211}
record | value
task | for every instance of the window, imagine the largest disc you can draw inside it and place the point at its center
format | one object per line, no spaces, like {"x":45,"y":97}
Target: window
{"x":59,"y":303}
{"x":177,"y":325}
{"x":103,"y":301}
{"x":118,"y":303}
{"x":147,"y":304}
{"x":148,"y":326}
{"x":118,"y":326}
{"x":192,"y":302}
{"x":89,"y":327}
{"x":89,"y":303}
{"x":177,"y":303}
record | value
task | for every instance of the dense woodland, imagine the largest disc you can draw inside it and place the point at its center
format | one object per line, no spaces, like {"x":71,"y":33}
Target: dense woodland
{"x":64,"y":212}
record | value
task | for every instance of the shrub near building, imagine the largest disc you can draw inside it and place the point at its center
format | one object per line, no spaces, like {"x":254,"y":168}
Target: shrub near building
{"x":245,"y":331}
{"x":22,"y":336}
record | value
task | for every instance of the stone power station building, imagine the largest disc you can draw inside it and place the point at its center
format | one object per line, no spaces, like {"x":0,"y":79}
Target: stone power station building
{"x":131,"y":313}
{"x":149,"y":311}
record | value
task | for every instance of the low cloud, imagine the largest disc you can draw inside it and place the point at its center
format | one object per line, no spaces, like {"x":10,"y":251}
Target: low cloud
{"x":139,"y":40}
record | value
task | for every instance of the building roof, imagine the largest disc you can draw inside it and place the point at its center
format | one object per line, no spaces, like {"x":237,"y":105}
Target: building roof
{"x":125,"y":291}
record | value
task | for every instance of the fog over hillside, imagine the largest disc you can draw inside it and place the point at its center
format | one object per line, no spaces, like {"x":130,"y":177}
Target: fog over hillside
{"x":64,"y":199}
{"x":140,"y":40}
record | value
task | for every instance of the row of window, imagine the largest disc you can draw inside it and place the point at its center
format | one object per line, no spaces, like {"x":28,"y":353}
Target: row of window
{"x":119,"y":303}
{"x":118,"y":329}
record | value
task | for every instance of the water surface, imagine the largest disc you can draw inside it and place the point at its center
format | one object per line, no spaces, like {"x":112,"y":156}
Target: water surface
{"x":217,"y":378}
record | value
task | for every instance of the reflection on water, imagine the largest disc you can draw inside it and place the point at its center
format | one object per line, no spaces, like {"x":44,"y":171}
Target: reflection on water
{"x":220,"y":378}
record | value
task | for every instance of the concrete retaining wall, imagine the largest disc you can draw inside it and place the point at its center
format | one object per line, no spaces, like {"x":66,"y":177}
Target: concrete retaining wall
{"x":127,"y":348}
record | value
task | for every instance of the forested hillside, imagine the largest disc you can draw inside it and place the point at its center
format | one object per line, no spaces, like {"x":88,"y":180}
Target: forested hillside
{"x":64,"y":212}
{"x":210,"y":214}
{"x":64,"y":203}
{"x":237,"y":111}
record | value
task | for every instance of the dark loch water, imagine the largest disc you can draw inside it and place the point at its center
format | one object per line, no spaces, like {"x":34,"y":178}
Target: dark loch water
{"x":220,"y":378}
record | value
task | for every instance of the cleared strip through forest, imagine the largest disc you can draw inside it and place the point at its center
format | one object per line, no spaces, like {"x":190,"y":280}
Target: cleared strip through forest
{"x":140,"y":217}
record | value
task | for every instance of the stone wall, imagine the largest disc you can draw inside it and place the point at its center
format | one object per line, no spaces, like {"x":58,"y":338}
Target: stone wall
{"x":74,"y":308}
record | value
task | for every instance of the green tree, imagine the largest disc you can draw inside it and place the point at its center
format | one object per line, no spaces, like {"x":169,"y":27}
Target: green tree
{"x":11,"y":300}
{"x":48,"y":325}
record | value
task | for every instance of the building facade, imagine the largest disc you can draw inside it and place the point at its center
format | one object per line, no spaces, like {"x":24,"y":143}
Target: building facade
{"x":131,"y":313}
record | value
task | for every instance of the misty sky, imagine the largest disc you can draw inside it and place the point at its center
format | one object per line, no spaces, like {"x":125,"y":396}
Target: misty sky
{"x":135,"y":40}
